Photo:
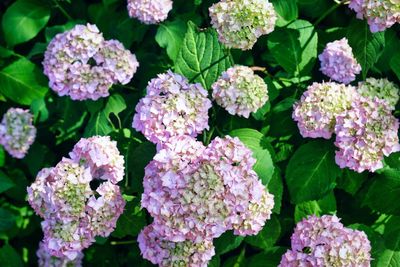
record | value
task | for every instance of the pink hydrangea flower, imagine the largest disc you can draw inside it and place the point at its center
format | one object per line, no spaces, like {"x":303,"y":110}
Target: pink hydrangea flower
{"x":172,"y":107}
{"x":101,"y":155}
{"x":197,"y":193}
{"x":155,"y":248}
{"x":319,"y":106}
{"x":365,"y":134}
{"x":45,"y":259}
{"x":381,"y":88}
{"x":149,"y":11}
{"x":380,"y":14}
{"x":338,"y":62}
{"x":325,"y":241}
{"x":240,"y":91}
{"x":17,"y":133}
{"x":240,"y":23}
{"x":81,"y":64}
{"x":74,"y":213}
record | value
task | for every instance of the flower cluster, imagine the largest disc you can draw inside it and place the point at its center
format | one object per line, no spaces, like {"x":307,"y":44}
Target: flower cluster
{"x":381,"y":88}
{"x":365,"y":134}
{"x":319,"y":106}
{"x":81,"y":64}
{"x":240,"y":91}
{"x":149,"y":11}
{"x":17,"y":133}
{"x":73,"y":212}
{"x":325,"y":241}
{"x":47,"y":260}
{"x":166,"y":253}
{"x":380,"y":14}
{"x":365,"y":128}
{"x":197,"y":193}
{"x":338,"y":62}
{"x":172,"y":107}
{"x":240,"y":23}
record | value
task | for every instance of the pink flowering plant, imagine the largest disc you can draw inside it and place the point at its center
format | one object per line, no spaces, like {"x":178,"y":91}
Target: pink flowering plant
{"x":199,"y":133}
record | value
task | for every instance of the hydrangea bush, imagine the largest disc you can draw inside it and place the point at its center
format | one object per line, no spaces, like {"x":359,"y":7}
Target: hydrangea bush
{"x":199,"y":133}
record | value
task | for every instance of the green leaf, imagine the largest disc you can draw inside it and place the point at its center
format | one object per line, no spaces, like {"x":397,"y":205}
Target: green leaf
{"x":255,"y":141}
{"x":299,"y":53}
{"x":2,"y":157}
{"x":132,"y":221}
{"x":367,"y":47}
{"x":201,"y":57}
{"x":383,"y":193}
{"x":267,"y":237}
{"x":23,"y":20}
{"x":390,"y":257}
{"x":269,"y":258}
{"x":287,"y":11}
{"x":351,"y":181}
{"x":100,"y":122}
{"x":275,"y":187}
{"x":395,"y":64}
{"x":9,"y":257}
{"x":5,"y":182}
{"x":7,"y":220}
{"x":22,"y":82}
{"x":39,"y":110}
{"x":323,"y":206}
{"x":52,"y":31}
{"x":170,"y":36}
{"x":227,"y":242}
{"x":311,"y":172}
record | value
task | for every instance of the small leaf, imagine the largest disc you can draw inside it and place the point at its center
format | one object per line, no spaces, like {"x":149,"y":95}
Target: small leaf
{"x":323,"y":206}
{"x":255,"y":141}
{"x":22,"y":82}
{"x":23,"y":20}
{"x":311,"y":172}
{"x":201,"y":57}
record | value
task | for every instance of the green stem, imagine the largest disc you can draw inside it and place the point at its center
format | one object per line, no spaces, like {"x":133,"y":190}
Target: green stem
{"x":65,"y":13}
{"x":329,"y":11}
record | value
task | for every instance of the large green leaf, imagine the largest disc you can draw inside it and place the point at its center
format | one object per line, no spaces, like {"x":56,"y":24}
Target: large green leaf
{"x":5,"y":182}
{"x":227,"y":242}
{"x":390,"y":257}
{"x":311,"y":172}
{"x":255,"y":141}
{"x":267,"y":237}
{"x":299,"y":52}
{"x":100,"y":121}
{"x":367,"y":46}
{"x":170,"y":36}
{"x":286,"y":10}
{"x":22,"y":82}
{"x":9,"y":257}
{"x":2,"y":157}
{"x":201,"y":57}
{"x":315,"y":207}
{"x":384,"y":192}
{"x":23,"y":20}
{"x":7,"y":220}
